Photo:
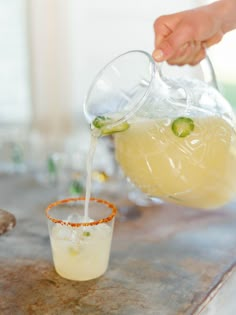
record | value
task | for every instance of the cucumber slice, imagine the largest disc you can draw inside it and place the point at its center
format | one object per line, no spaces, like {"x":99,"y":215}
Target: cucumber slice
{"x":104,"y":124}
{"x":182,"y":126}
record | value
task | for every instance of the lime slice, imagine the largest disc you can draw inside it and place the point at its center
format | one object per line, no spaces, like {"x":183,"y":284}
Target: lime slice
{"x":86,"y":233}
{"x":73,"y":251}
{"x":118,"y":128}
{"x":182,"y":126}
{"x":104,"y":124}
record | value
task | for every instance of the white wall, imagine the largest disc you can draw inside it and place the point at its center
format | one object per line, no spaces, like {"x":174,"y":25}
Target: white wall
{"x":14,"y":80}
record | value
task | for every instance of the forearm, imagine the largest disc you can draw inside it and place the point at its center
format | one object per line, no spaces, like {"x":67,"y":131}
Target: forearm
{"x":225,"y":10}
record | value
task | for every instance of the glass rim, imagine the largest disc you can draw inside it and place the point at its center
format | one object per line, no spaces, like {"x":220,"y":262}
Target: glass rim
{"x":139,"y":103}
{"x":75,"y":224}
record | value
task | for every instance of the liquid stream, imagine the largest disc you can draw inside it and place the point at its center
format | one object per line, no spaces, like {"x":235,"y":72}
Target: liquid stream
{"x":89,"y":165}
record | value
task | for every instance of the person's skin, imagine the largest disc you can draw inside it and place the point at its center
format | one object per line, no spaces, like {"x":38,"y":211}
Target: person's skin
{"x":182,"y":38}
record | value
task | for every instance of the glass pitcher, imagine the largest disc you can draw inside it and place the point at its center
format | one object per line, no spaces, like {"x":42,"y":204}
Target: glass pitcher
{"x":174,"y":137}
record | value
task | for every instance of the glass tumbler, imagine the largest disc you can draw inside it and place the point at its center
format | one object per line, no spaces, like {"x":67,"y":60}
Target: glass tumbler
{"x":81,"y":245}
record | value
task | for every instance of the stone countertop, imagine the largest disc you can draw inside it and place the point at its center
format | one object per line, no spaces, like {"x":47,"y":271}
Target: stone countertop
{"x":169,"y":260}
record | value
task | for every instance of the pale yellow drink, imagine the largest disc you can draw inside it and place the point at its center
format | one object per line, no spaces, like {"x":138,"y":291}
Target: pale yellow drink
{"x":197,"y":170}
{"x":81,"y":253}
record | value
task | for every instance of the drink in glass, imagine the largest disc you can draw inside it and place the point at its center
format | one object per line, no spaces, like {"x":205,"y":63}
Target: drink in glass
{"x":81,"y":246}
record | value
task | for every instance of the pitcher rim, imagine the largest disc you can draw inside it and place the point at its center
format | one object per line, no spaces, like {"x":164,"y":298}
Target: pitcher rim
{"x":137,"y":105}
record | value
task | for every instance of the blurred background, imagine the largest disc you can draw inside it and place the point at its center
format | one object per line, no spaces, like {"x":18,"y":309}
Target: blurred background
{"x":50,"y":51}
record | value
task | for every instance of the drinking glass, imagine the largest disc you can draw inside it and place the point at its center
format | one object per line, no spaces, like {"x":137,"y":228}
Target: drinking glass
{"x":81,"y":244}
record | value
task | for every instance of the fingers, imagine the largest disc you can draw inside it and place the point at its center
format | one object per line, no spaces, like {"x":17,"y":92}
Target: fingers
{"x":184,"y":54}
{"x":213,"y":40}
{"x":162,"y":31}
{"x":199,"y":57}
{"x":190,"y":53}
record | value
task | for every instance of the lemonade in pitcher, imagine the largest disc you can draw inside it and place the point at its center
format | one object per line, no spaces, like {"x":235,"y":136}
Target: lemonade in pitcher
{"x":175,"y":139}
{"x":197,"y":169}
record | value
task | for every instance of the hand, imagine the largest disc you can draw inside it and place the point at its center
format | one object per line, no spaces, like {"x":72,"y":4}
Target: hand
{"x":182,"y":38}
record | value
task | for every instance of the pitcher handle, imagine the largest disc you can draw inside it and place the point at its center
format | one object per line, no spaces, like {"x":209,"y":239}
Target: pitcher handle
{"x":209,"y":77}
{"x":208,"y":72}
{"x":207,"y":68}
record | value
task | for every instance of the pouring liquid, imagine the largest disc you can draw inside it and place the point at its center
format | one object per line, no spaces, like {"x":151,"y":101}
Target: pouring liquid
{"x":89,"y":164}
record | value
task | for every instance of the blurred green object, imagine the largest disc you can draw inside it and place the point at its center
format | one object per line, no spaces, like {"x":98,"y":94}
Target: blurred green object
{"x":52,"y":168}
{"x":76,"y":187}
{"x":17,"y":154}
{"x":229,"y":91}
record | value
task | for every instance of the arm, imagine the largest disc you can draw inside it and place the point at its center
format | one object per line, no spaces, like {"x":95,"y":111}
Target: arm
{"x":182,"y":38}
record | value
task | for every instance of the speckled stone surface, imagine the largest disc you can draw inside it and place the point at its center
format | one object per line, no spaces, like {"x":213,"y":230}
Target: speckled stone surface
{"x":167,"y":261}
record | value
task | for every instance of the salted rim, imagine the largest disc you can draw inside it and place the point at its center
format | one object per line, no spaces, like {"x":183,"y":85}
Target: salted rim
{"x":64,"y":201}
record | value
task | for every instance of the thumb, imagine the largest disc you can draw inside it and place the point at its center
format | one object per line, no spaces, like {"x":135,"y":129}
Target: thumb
{"x":166,"y":48}
{"x":162,"y":31}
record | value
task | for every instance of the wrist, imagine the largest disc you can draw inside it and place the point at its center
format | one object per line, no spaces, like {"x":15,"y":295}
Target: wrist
{"x":225,"y":10}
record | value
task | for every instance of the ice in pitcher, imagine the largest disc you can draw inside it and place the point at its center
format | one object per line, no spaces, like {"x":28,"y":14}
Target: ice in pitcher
{"x":81,"y":253}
